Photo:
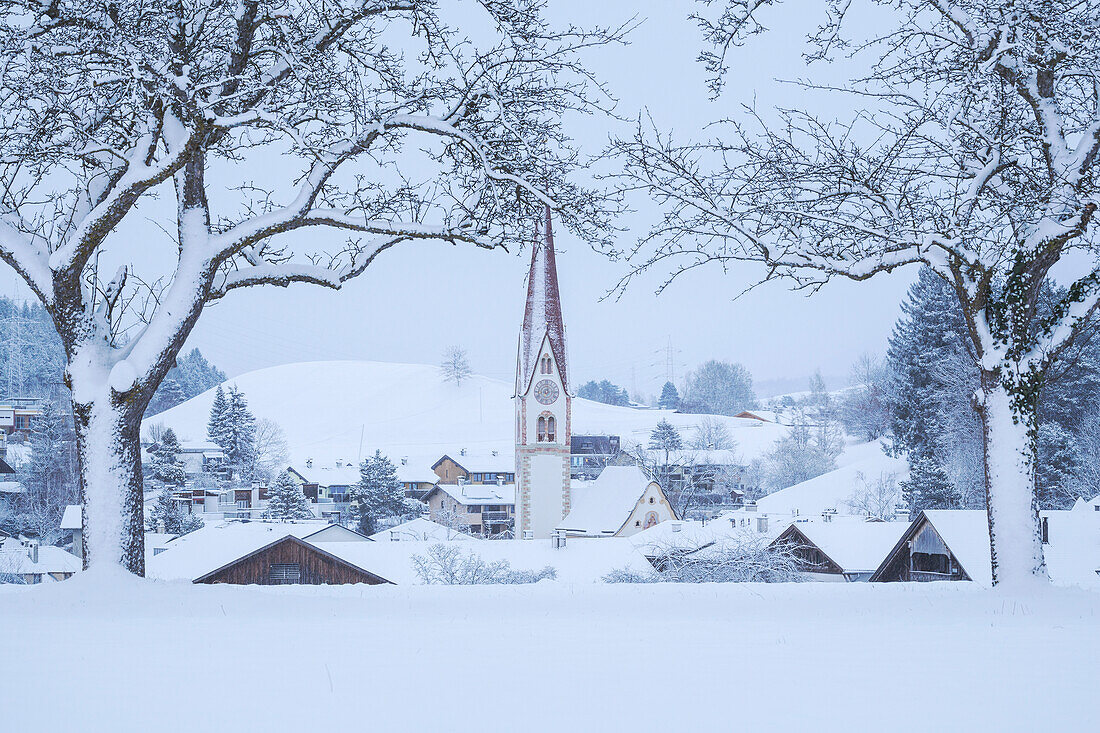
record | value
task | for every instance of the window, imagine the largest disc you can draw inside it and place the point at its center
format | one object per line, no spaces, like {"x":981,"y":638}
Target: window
{"x":551,"y":429}
{"x":547,"y":365}
{"x":542,"y":429}
{"x":1044,"y":530}
{"x":652,"y":500}
{"x":638,"y":523}
{"x":474,"y":509}
{"x":283,"y":573}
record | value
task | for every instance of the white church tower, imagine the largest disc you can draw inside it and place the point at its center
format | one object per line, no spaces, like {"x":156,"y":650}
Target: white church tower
{"x":543,"y":401}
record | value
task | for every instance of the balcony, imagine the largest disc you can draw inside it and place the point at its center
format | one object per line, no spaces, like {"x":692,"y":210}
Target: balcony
{"x":495,"y":517}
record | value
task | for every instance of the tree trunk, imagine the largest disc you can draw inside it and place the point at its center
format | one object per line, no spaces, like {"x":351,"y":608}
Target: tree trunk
{"x":1015,"y":545}
{"x":108,"y":439}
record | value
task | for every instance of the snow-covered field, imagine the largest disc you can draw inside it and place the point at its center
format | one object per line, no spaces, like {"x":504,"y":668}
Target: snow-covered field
{"x":143,"y":656}
{"x":337,"y":410}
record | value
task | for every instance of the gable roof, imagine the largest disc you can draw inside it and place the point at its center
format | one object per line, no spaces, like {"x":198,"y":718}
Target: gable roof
{"x":477,"y":493}
{"x":603,"y":506}
{"x":965,"y":532}
{"x":71,"y":519}
{"x":480,"y":462}
{"x":853,"y":546}
{"x":542,"y":313}
{"x":419,"y":529}
{"x":5,"y":469}
{"x":309,"y":547}
{"x":14,"y":559}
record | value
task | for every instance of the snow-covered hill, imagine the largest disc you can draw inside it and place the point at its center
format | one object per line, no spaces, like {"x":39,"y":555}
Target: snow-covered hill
{"x":340,"y":410}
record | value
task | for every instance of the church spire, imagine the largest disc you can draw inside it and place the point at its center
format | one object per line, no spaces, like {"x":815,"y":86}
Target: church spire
{"x":542,"y":315}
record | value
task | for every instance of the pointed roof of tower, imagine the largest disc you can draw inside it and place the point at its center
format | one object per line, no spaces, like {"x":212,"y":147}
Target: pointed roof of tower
{"x":542,"y":314}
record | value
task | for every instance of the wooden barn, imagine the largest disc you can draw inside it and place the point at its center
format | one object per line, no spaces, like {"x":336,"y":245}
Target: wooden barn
{"x":290,"y":561}
{"x":842,"y":548}
{"x":940,"y":545}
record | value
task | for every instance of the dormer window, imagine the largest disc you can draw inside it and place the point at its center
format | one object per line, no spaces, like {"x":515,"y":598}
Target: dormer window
{"x":547,"y":365}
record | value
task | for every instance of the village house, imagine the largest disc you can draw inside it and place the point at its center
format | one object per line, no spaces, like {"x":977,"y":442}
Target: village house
{"x":26,"y":561}
{"x":483,"y":467}
{"x":8,"y":484}
{"x":17,"y":417}
{"x":480,"y":509}
{"x":621,"y":502}
{"x":417,"y":480}
{"x":589,"y":454}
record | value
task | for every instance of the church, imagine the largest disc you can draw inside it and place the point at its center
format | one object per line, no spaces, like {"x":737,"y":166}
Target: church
{"x":545,"y":496}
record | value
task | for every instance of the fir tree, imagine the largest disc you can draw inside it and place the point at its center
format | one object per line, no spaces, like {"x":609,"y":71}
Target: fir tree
{"x":665,"y":437}
{"x":168,"y":395}
{"x":167,"y":468}
{"x":1056,"y":484}
{"x":929,"y":487}
{"x":235,"y":433}
{"x":379,"y":493}
{"x":670,"y":397}
{"x":215,"y":426}
{"x":167,"y":516}
{"x":286,"y":501}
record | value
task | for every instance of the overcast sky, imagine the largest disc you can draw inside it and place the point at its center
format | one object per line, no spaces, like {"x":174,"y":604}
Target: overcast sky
{"x":419,"y":298}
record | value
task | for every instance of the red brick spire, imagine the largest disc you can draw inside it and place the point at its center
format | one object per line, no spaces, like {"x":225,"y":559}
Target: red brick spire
{"x":542,"y":315}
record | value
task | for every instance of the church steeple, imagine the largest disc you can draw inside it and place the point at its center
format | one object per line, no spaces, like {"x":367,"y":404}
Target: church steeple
{"x":542,"y":314}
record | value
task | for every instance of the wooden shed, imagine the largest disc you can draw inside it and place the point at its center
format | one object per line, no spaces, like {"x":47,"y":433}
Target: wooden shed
{"x":940,"y":544}
{"x":290,"y":561}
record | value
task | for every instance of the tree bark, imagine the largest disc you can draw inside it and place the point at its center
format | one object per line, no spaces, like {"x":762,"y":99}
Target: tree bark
{"x":1016,"y":549}
{"x":108,"y":441}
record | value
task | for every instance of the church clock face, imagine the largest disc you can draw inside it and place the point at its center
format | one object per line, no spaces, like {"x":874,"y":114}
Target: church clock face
{"x":546,"y":392}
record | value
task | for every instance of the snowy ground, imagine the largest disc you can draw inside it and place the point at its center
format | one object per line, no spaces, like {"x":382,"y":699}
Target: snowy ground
{"x":808,"y":657}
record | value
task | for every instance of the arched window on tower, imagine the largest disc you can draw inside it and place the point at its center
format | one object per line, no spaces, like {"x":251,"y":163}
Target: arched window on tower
{"x":551,"y":430}
{"x":547,"y":365}
{"x":542,"y":429}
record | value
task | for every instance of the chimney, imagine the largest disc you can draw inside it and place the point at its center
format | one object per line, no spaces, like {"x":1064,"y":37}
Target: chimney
{"x":393,"y":536}
{"x":677,"y":525}
{"x":309,"y":463}
{"x":827,"y":515}
{"x":528,"y":534}
{"x":500,"y":480}
{"x":762,"y":523}
{"x":405,"y":461}
{"x":750,"y":506}
{"x":461,"y":451}
{"x":32,"y":550}
{"x":494,"y":453}
{"x":557,"y":539}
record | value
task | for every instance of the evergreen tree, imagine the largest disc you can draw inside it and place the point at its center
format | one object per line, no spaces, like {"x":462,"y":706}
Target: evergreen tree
{"x":605,"y":392}
{"x":670,"y":397}
{"x":215,"y":426}
{"x":665,"y":437}
{"x":167,"y":468}
{"x":168,"y":395}
{"x":167,"y":516}
{"x":233,"y":427}
{"x":285,"y":500}
{"x":929,"y":487}
{"x":1057,"y":484}
{"x":379,"y":494}
{"x":49,"y":478}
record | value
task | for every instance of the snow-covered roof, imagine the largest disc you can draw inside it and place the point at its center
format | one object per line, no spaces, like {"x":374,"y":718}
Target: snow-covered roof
{"x":15,"y":559}
{"x":766,"y":415}
{"x":419,"y":529}
{"x":699,"y":457}
{"x":856,"y":546}
{"x":415,"y":473}
{"x":71,"y":519}
{"x":342,"y":474}
{"x":11,"y":487}
{"x":584,"y":560}
{"x":1073,"y":553}
{"x":603,"y":506}
{"x":966,"y":534}
{"x":832,"y":490}
{"x":489,"y":461}
{"x":480,"y":493}
{"x":200,"y":446}
{"x":685,"y":535}
{"x":197,"y":553}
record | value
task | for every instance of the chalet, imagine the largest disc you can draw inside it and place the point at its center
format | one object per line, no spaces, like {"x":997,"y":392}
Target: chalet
{"x":481,"y":509}
{"x":476,"y":468}
{"x":290,"y":561}
{"x":17,"y":417}
{"x":203,"y":457}
{"x":328,"y":486}
{"x":850,"y":549}
{"x":415,"y":479}
{"x":589,"y":454}
{"x":25,"y":561}
{"x":717,"y":476}
{"x":622,"y":501}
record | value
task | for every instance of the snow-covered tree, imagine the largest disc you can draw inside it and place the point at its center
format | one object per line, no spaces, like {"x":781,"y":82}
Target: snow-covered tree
{"x":285,"y":499}
{"x":718,"y":388}
{"x":875,"y":496}
{"x":804,"y":453}
{"x":168,"y":395}
{"x":379,"y":494}
{"x":665,"y":438}
{"x":972,"y":149}
{"x":49,"y":477}
{"x":272,"y":453}
{"x":928,"y":487}
{"x":216,"y":422}
{"x":670,"y":397}
{"x":712,"y":434}
{"x":236,"y":434}
{"x":455,"y":366}
{"x":452,"y":564}
{"x":392,"y":120}
{"x":166,"y":466}
{"x":605,"y":392}
{"x":167,"y":516}
{"x":865,"y":409}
